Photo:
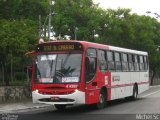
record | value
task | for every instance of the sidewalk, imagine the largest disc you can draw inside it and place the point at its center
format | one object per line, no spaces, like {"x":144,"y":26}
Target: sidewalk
{"x":20,"y":106}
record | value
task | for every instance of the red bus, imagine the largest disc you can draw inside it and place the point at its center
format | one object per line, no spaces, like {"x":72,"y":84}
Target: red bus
{"x":80,"y":72}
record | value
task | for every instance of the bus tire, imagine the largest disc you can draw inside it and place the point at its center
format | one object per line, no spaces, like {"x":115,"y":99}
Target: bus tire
{"x":60,"y":107}
{"x":135,"y":92}
{"x":102,"y":100}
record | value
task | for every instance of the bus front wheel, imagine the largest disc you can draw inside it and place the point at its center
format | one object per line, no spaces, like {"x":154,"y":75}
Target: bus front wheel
{"x":102,"y":100}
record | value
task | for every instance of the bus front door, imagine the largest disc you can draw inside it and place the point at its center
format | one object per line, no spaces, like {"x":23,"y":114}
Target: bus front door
{"x":91,"y":81}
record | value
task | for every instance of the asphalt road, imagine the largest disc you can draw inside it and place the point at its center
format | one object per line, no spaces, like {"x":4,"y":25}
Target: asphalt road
{"x":146,"y":107}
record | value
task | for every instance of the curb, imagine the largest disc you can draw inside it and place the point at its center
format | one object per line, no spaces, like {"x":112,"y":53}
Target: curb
{"x":25,"y":108}
{"x":154,"y":86}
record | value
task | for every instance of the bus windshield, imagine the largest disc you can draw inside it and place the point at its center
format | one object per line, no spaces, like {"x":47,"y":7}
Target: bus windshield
{"x":58,"y":68}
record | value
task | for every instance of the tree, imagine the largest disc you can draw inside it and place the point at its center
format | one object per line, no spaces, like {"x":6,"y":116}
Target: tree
{"x":80,"y":19}
{"x":133,"y":31}
{"x":23,"y":9}
{"x":114,"y":27}
{"x":72,"y":18}
{"x":18,"y":32}
{"x":17,"y":37}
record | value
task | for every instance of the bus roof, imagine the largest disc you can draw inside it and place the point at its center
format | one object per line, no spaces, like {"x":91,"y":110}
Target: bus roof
{"x":119,"y":49}
{"x":87,"y":44}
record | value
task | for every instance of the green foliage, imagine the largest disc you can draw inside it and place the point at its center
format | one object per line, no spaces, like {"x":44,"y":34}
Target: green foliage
{"x":20,"y":75}
{"x":71,"y":15}
{"x":26,"y":9}
{"x":76,"y":18}
{"x":114,"y":27}
{"x":18,"y":33}
{"x":17,"y":37}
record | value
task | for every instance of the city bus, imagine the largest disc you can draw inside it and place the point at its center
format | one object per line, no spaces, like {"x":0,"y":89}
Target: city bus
{"x":78,"y":72}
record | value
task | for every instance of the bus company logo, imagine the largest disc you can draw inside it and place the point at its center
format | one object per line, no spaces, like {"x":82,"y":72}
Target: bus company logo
{"x":115,"y":78}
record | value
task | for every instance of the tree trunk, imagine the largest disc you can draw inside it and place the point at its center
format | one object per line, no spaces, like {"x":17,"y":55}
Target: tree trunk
{"x":2,"y":73}
{"x":152,"y":77}
{"x":6,"y":74}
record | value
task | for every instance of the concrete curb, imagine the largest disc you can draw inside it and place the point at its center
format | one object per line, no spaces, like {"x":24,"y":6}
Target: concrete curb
{"x":13,"y":110}
{"x":154,"y":86}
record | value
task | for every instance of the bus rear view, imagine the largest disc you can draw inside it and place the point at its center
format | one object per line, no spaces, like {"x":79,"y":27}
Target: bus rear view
{"x":57,"y":74}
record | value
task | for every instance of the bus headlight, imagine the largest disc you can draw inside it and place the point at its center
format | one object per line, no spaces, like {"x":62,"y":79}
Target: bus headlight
{"x":76,"y":90}
{"x":36,"y":90}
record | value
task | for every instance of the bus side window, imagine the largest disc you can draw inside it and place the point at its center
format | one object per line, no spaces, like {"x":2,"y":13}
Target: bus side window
{"x":110,"y":60}
{"x":136,"y":65}
{"x":118,"y":61}
{"x":90,"y":64}
{"x":145,"y":63}
{"x":102,"y":60}
{"x":141,"y":63}
{"x":131,"y":64}
{"x":124,"y":62}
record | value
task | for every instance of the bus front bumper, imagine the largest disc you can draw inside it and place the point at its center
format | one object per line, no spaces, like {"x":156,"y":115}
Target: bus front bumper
{"x":77,"y":97}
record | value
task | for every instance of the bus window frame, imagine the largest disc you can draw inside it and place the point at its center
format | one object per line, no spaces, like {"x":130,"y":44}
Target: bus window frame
{"x":120,"y":61}
{"x":141,"y":63}
{"x":99,"y":64}
{"x":125,"y":62}
{"x":110,"y":61}
{"x":131,"y":62}
{"x":146,"y":65}
{"x":96,"y":64}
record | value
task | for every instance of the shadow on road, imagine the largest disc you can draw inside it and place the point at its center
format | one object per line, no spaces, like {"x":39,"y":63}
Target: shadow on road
{"x":89,"y":108}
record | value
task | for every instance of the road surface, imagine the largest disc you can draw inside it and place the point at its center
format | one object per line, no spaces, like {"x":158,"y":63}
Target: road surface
{"x":146,"y":107}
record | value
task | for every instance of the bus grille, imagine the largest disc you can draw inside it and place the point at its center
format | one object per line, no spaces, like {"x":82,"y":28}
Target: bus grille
{"x":59,"y":100}
{"x":55,"y":93}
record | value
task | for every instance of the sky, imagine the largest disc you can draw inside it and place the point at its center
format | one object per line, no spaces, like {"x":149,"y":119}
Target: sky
{"x":138,"y":6}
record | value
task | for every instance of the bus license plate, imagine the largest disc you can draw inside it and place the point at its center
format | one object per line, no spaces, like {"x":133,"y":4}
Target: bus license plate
{"x":54,"y":98}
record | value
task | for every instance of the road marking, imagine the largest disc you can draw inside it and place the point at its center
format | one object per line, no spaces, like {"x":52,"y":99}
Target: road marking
{"x":150,"y":94}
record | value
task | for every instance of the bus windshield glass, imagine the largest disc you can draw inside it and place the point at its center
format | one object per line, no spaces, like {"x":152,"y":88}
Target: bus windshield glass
{"x":58,"y":68}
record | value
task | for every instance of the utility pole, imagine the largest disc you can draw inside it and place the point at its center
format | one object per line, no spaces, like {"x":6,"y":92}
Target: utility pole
{"x":40,"y":26}
{"x":11,"y":66}
{"x":49,"y":19}
{"x":75,"y":33}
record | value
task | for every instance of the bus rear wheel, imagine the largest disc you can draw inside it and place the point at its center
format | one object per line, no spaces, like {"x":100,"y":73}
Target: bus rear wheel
{"x":102,"y":100}
{"x":135,"y":92}
{"x":60,"y":107}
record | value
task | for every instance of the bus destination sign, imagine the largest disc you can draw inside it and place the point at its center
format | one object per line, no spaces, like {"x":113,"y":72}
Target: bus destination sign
{"x":59,"y":47}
